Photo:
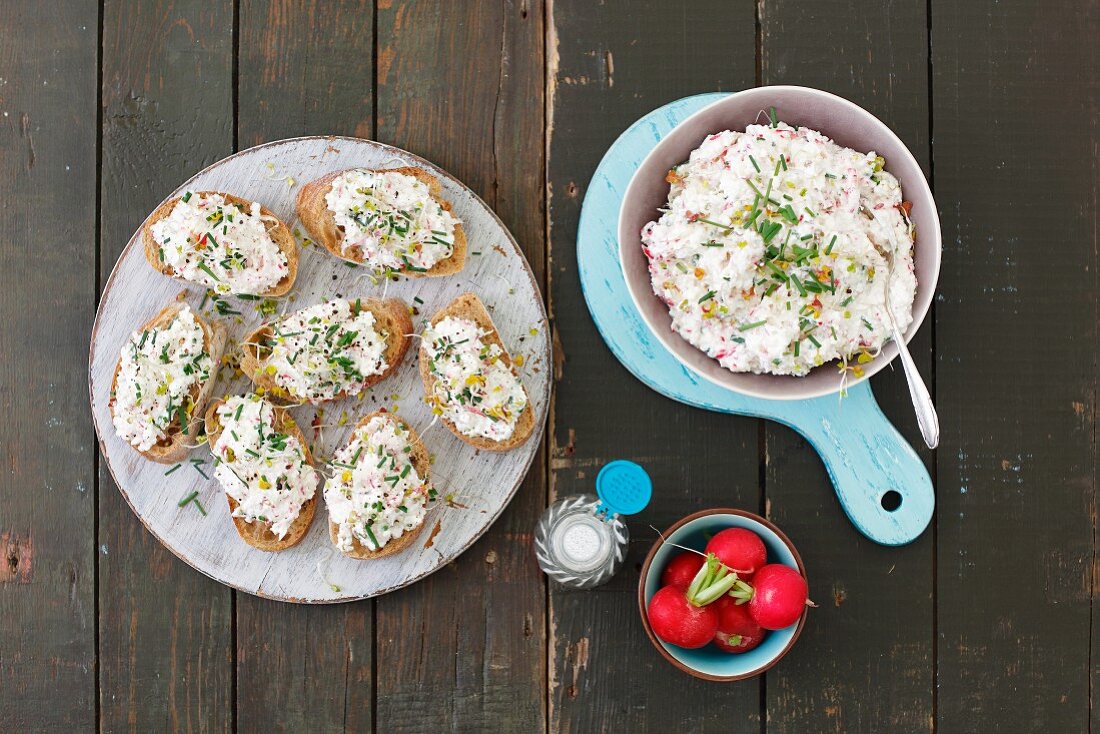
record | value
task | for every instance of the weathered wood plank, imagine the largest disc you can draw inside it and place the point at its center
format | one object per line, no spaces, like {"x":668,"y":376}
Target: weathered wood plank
{"x":461,"y":84}
{"x":304,"y":668}
{"x":166,"y":655}
{"x":47,"y":499}
{"x":874,"y":627}
{"x":305,"y":68}
{"x":1016,"y":136}
{"x":609,"y":64}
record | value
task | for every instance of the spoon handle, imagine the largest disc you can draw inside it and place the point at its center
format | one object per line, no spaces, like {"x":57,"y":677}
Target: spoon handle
{"x":927,"y":418}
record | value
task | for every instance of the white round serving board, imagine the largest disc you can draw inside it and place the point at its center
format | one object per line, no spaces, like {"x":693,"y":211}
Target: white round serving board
{"x":478,"y":483}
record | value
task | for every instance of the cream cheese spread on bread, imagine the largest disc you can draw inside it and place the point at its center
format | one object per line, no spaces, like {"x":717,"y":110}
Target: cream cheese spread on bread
{"x":768,"y":253}
{"x":157,"y":371}
{"x":324,"y":350}
{"x":262,"y":468}
{"x":474,"y":388}
{"x":391,"y":220}
{"x":221,"y":245}
{"x":376,"y":494}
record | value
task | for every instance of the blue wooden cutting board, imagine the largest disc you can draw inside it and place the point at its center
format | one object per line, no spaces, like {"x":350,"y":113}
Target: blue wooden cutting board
{"x":864,"y":454}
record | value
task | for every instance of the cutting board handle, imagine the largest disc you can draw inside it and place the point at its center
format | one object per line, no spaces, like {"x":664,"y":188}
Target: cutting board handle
{"x":880,"y":480}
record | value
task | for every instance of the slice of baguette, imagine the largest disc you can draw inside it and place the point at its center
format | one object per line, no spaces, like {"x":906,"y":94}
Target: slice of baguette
{"x":258,"y":534}
{"x":176,"y":444}
{"x":319,"y":221}
{"x":421,"y":461}
{"x":469,"y":306}
{"x":390,"y":315}
{"x":280,"y":235}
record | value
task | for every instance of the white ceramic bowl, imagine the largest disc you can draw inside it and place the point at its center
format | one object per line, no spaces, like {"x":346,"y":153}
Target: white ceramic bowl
{"x":843,"y":121}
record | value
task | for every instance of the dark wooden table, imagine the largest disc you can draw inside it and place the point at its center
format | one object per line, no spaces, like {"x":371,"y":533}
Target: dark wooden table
{"x":984,"y":624}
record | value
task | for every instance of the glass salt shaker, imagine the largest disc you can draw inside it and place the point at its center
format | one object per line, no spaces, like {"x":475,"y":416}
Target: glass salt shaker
{"x":581,"y":540}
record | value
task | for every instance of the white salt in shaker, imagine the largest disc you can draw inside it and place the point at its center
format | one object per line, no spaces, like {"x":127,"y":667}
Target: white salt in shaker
{"x":581,"y":541}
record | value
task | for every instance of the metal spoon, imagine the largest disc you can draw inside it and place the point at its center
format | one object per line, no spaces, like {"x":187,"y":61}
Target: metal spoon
{"x":927,"y":418}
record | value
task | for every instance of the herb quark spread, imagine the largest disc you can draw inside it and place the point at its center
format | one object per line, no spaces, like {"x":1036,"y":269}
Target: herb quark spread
{"x":770,"y":253}
{"x":323,"y":351}
{"x":376,"y":494}
{"x":207,"y":240}
{"x":390,"y":220}
{"x":157,"y":371}
{"x":261,"y":467}
{"x":474,"y":387}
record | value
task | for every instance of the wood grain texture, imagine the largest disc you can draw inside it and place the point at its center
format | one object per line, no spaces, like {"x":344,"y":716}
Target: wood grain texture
{"x":305,"y":68}
{"x":311,"y":669}
{"x":874,"y":626}
{"x":303,"y":668}
{"x":603,"y":74}
{"x":461,"y":84}
{"x":165,"y":631}
{"x":47,"y":498}
{"x":1016,"y":334}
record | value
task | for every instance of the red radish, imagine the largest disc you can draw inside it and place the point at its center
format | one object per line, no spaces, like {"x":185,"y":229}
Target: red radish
{"x":777,"y":596}
{"x":681,"y":616}
{"x":677,"y":621}
{"x":737,"y":630}
{"x":682,"y":569}
{"x":740,"y":549}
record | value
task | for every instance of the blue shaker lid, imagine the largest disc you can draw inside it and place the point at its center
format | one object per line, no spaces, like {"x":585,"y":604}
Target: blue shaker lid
{"x":624,"y":488}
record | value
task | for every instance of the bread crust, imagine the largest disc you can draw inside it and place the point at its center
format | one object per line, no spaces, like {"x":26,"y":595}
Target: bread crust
{"x":390,"y":315}
{"x":314,"y":214}
{"x":258,"y":534}
{"x":469,"y":306}
{"x":280,"y":235}
{"x":421,"y":461}
{"x":176,"y":444}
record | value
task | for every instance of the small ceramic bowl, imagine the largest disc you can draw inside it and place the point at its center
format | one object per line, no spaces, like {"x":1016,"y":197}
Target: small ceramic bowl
{"x":711,"y":663}
{"x":848,"y":125}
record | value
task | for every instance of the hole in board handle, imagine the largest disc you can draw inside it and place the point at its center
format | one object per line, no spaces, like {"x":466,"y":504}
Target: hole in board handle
{"x":890,"y":500}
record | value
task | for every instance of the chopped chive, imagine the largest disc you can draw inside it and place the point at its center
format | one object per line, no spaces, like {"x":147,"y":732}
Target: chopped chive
{"x":753,"y":325}
{"x":187,"y":500}
{"x":726,"y":227}
{"x":208,"y":271}
{"x":199,"y":505}
{"x":769,"y":230}
{"x":816,"y":343}
{"x":177,"y":466}
{"x":187,"y":197}
{"x":707,"y":296}
{"x":798,"y":284}
{"x":832,"y":242}
{"x":787,"y":212}
{"x":772,"y":116}
{"x":754,"y":164}
{"x":371,"y":536}
{"x":713,"y":244}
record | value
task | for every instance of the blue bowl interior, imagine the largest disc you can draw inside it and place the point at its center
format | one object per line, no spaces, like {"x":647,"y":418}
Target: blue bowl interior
{"x":710,"y":659}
